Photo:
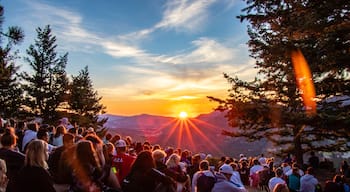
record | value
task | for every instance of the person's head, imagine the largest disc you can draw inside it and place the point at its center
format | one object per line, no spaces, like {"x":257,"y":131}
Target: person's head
{"x":310,"y":170}
{"x":108,"y":137}
{"x":226,"y":170}
{"x":43,"y":134}
{"x":86,"y":153}
{"x":98,"y":146}
{"x":295,"y":171}
{"x":60,"y":130}
{"x":143,"y":162}
{"x":110,"y":149}
{"x":234,"y":166}
{"x":204,"y":165}
{"x":68,"y":139}
{"x":279,"y":172}
{"x":33,"y":126}
{"x":281,"y":188}
{"x":156,"y":147}
{"x":120,"y":145}
{"x":337,"y":178}
{"x":196,"y":159}
{"x":128,"y":140}
{"x":8,"y":139}
{"x":256,"y":162}
{"x":158,"y":155}
{"x":72,"y":131}
{"x":173,"y":160}
{"x":36,"y":154}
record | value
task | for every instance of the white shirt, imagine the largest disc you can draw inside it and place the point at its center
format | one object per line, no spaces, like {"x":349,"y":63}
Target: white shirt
{"x":308,"y":183}
{"x":274,"y":181}
{"x":236,"y":178}
{"x":255,"y":169}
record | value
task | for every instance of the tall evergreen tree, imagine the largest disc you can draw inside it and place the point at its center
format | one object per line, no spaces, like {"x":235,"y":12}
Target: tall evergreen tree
{"x":84,"y":101}
{"x":46,"y":88}
{"x":10,"y":92}
{"x":272,"y":107}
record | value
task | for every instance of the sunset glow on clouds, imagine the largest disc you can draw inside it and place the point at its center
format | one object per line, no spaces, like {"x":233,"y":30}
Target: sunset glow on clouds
{"x":155,"y":57}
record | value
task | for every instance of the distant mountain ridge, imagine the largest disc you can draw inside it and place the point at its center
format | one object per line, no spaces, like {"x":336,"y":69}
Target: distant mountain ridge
{"x":199,"y":134}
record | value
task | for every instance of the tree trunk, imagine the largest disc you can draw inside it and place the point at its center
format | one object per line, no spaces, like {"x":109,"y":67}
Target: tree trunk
{"x":298,"y":151}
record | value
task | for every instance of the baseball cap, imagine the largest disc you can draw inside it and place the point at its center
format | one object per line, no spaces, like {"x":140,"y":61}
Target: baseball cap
{"x":120,"y":143}
{"x":226,"y":169}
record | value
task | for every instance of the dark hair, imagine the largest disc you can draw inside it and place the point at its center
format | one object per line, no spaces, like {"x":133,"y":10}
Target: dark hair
{"x":68,"y":137}
{"x":143,"y":162}
{"x":310,"y":170}
{"x":33,"y":126}
{"x":42,"y":133}
{"x":204,"y":165}
{"x":93,"y":138}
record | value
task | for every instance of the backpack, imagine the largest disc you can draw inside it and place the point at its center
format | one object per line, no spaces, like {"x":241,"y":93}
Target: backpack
{"x":205,"y":183}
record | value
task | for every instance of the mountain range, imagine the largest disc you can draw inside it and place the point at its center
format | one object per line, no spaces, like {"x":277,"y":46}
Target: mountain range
{"x":201,"y":134}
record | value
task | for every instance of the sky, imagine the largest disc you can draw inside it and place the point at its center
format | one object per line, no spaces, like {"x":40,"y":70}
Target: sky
{"x":157,"y":57}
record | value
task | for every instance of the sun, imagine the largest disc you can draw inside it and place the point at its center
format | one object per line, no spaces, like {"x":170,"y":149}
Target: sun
{"x":183,"y":115}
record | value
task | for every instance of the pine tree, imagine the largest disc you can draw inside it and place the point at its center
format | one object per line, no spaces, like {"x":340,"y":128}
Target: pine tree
{"x":47,"y":87}
{"x":272,"y":107}
{"x":10,"y":92}
{"x":84,"y":101}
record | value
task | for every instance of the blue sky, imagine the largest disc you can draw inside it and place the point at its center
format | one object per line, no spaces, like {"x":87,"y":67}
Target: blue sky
{"x":144,"y":56}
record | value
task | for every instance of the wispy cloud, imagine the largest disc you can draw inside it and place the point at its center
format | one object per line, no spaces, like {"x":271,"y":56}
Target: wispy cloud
{"x":194,"y":72}
{"x":182,"y":16}
{"x":185,"y":15}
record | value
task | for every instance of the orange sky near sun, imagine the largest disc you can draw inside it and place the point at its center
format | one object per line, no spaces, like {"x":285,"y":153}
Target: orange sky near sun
{"x":161,"y":107}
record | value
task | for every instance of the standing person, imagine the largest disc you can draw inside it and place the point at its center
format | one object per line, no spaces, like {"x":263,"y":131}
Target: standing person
{"x":253,"y":173}
{"x":294,"y":180}
{"x":244,"y":172}
{"x":159,"y":157}
{"x":314,"y":160}
{"x":308,"y":182}
{"x":43,"y":134}
{"x":223,"y":183}
{"x":344,"y":169}
{"x":14,"y":159}
{"x":143,"y":176}
{"x":122,"y":161}
{"x":57,"y":139}
{"x":58,"y":163}
{"x":29,"y":135}
{"x":277,"y":179}
{"x":87,"y":169}
{"x":173,"y":165}
{"x":236,"y":178}
{"x":194,"y":167}
{"x":334,"y":185}
{"x":204,"y":171}
{"x":34,"y":177}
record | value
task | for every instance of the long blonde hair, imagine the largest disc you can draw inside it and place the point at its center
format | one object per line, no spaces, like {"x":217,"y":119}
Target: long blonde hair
{"x":173,"y":161}
{"x":36,"y":154}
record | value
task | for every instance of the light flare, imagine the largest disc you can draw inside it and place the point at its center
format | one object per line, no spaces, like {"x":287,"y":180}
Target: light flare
{"x":304,"y":81}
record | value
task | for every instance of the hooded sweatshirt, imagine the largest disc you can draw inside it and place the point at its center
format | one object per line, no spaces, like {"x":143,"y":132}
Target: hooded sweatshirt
{"x":224,"y":185}
{"x":308,"y":183}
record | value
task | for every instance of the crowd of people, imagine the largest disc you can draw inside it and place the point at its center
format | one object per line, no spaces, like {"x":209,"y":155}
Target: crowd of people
{"x":36,"y":157}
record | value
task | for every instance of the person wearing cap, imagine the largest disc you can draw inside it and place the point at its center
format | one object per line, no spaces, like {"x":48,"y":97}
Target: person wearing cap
{"x":122,"y":162}
{"x":224,"y":184}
